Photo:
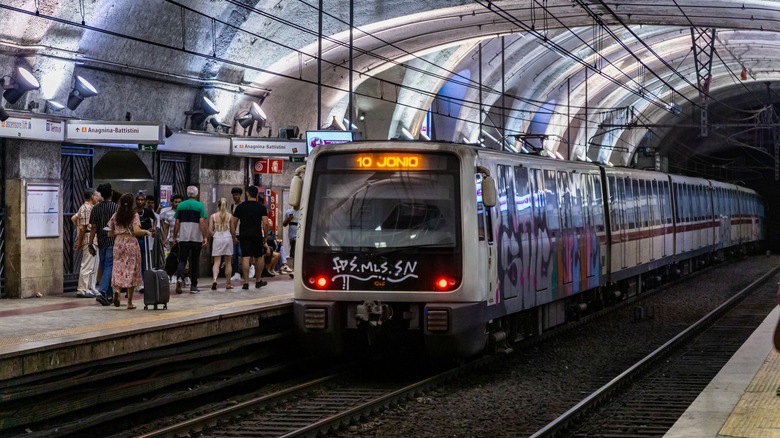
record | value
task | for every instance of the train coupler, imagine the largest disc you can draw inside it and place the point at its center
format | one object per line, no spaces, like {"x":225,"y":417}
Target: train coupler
{"x":373,"y":313}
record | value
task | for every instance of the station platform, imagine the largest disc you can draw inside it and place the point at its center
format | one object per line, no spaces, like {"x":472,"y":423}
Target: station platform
{"x":47,"y":333}
{"x":743,"y":400}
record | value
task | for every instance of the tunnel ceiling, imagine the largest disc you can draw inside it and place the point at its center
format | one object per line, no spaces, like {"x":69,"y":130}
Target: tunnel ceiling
{"x":618,"y":77}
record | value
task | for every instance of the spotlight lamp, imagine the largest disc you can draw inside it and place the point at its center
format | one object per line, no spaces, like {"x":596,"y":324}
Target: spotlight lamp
{"x":52,"y":106}
{"x":245,"y":121}
{"x":217,"y":125}
{"x":207,"y":108}
{"x":82,"y":89}
{"x":21,"y":82}
{"x":258,"y":114}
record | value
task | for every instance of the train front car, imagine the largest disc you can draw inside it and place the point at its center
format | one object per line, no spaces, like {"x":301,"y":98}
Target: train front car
{"x":382,"y":253}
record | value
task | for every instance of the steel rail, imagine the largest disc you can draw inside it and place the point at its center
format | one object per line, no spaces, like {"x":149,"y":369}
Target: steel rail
{"x":626,"y":377}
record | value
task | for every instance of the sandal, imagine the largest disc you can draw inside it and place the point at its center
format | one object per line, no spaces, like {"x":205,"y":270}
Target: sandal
{"x":116,"y":299}
{"x":214,"y":286}
{"x":130,"y":307}
{"x":228,"y":286}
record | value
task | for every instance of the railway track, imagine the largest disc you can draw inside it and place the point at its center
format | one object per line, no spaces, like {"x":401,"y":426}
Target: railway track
{"x":339,"y":403}
{"x":648,"y":398}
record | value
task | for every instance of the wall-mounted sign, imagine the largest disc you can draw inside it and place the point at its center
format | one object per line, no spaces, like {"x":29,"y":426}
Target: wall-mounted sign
{"x":268,"y":147}
{"x":33,"y":128}
{"x":80,"y":131}
{"x":322,"y":138}
{"x":268,"y":165}
{"x":195,"y":142}
{"x":43,"y":210}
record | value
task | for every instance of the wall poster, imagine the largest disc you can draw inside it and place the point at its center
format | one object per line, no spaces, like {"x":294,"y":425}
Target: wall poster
{"x":43,"y":210}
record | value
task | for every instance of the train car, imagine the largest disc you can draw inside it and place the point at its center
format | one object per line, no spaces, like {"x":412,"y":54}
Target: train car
{"x":457,"y":247}
{"x":641,"y":226}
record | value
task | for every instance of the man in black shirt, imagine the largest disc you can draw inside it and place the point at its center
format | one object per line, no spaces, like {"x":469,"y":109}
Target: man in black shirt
{"x":253,"y":216}
{"x":98,"y":220}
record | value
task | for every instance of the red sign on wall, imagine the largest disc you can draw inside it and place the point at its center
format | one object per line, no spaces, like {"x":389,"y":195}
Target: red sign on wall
{"x":275,"y":165}
{"x":268,"y":165}
{"x":260,"y":166}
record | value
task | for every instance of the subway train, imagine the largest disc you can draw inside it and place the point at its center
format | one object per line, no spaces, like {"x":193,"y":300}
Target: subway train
{"x":458,"y":249}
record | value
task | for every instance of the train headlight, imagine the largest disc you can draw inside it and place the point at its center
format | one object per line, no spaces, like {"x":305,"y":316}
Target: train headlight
{"x":319,"y":281}
{"x":445,"y":283}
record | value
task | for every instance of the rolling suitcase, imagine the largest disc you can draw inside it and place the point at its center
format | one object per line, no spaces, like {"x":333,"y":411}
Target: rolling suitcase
{"x":156,"y":287}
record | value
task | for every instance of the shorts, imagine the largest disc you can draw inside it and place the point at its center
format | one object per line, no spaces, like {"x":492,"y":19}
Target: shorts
{"x":252,"y":246}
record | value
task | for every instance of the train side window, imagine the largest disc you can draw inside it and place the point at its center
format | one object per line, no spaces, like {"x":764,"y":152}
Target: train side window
{"x":598,"y":203}
{"x":630,"y":204}
{"x":655,"y":202}
{"x":644,"y":211}
{"x":576,"y":200}
{"x":613,"y":203}
{"x":480,"y":209}
{"x":564,"y":198}
{"x":551,"y":200}
{"x":523,"y":200}
{"x":584,"y":200}
{"x":536,"y":185}
{"x":505,"y":194}
{"x":667,"y":194}
{"x":678,"y":203}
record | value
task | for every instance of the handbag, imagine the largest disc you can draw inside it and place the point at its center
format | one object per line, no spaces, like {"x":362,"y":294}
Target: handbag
{"x":172,"y":261}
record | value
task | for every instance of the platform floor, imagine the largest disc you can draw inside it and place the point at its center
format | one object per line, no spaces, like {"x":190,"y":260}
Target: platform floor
{"x":742,"y":400}
{"x":35,"y":331}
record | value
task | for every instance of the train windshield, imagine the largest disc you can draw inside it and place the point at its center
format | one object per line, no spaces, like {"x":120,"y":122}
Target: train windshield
{"x":369,"y":202}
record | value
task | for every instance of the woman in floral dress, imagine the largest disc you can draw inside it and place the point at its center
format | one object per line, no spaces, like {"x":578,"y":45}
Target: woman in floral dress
{"x":125,"y":226}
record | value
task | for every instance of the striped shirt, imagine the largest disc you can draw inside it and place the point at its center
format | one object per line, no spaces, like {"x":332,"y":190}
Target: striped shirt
{"x":99,"y":218}
{"x":82,"y":220}
{"x":189,"y":213}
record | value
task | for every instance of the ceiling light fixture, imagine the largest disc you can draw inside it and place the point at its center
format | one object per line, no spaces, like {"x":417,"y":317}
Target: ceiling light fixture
{"x":21,"y":82}
{"x":82,"y":89}
{"x":198,"y":116}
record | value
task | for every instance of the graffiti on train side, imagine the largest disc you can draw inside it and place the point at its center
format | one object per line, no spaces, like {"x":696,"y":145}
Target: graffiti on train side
{"x":548,"y":247}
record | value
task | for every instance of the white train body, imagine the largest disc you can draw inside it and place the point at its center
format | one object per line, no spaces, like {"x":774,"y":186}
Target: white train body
{"x":396,"y":241}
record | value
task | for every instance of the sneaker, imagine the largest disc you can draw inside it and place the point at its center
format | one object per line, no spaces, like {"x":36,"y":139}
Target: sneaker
{"x":178,"y":286}
{"x":194,"y":290}
{"x":187,"y":281}
{"x":245,"y":286}
{"x":236,"y":277}
{"x":266,"y":273}
{"x":173,"y":279}
{"x":286,"y":270}
{"x":274,"y":272}
{"x":102,"y":300}
{"x":260,"y":284}
{"x":251,"y":271}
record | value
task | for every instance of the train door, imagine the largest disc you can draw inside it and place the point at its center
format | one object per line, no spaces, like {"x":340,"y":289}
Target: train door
{"x":633,"y":232}
{"x":642,"y":243}
{"x":553,"y":213}
{"x":523,"y":205}
{"x":568,"y":254}
{"x":617,"y":198}
{"x":485,"y":244}
{"x":509,"y":253}
{"x":541,"y":246}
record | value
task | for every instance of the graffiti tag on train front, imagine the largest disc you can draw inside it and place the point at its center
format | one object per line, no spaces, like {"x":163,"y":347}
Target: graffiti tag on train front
{"x":392,"y":272}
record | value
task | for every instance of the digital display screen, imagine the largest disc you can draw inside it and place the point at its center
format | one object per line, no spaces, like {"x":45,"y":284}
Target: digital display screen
{"x":392,"y":161}
{"x":389,"y":161}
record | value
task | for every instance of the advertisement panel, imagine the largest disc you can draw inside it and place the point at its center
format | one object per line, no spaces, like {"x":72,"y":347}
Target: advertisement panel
{"x":321,"y":138}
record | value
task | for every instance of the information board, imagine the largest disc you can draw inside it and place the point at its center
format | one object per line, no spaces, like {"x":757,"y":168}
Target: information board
{"x":43,"y":210}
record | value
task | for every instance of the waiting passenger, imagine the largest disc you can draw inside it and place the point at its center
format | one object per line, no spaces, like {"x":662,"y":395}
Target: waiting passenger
{"x":125,"y":227}
{"x":88,"y":268}
{"x":222,"y":243}
{"x":98,"y":221}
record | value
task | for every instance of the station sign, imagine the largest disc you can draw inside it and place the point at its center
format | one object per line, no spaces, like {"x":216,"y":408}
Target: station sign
{"x":80,"y":131}
{"x":33,"y":128}
{"x":267,"y":147}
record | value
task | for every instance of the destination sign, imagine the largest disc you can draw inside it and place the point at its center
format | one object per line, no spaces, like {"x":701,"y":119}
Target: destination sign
{"x":389,"y":161}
